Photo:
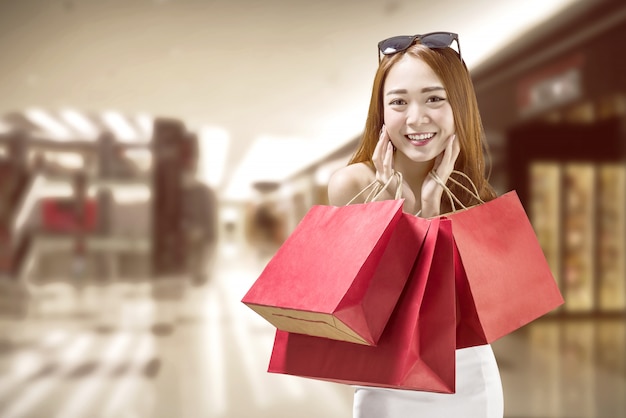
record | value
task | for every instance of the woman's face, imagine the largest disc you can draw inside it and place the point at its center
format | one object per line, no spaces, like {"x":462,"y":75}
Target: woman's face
{"x":417,"y":113}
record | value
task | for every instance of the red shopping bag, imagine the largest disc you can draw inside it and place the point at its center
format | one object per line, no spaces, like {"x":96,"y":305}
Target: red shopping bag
{"x":417,"y":349}
{"x":341,"y":272}
{"x":502,"y":276}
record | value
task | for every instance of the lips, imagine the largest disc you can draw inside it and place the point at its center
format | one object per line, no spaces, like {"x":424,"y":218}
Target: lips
{"x":420,"y":139}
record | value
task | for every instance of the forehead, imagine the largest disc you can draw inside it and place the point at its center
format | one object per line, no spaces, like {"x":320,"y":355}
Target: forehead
{"x":410,"y":72}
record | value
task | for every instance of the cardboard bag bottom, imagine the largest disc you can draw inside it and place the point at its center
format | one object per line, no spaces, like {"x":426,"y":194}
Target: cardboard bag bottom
{"x":341,"y":272}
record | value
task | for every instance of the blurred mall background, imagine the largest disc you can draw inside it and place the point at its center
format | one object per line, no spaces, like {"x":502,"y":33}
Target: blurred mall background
{"x":155,"y":154}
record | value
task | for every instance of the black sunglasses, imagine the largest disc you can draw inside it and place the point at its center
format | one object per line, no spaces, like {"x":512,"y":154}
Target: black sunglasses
{"x":433,"y":40}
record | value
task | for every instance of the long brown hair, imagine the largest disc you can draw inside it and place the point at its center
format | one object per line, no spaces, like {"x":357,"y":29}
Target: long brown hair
{"x":469,"y":129}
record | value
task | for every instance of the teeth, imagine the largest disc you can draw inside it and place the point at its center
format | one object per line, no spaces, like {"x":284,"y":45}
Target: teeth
{"x":420,"y":137}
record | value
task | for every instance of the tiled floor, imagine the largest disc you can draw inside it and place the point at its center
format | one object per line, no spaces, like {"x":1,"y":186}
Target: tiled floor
{"x":119,"y":352}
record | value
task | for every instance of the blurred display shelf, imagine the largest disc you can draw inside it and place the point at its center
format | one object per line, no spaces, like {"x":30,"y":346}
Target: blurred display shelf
{"x":138,"y":188}
{"x":63,"y":246}
{"x":112,"y":245}
{"x":61,"y":185}
{"x":43,"y":243}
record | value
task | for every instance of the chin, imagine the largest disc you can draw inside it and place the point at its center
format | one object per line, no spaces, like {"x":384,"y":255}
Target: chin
{"x":420,"y":157}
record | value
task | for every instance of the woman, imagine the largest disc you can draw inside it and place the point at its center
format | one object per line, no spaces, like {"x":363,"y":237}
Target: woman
{"x":423,"y":122}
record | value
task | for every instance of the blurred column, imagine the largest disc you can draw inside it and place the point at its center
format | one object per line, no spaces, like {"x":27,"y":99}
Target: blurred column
{"x":169,"y":247}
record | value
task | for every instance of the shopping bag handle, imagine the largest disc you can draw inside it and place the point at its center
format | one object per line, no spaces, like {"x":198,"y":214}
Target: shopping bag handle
{"x":474,"y":192}
{"x":377,"y":188}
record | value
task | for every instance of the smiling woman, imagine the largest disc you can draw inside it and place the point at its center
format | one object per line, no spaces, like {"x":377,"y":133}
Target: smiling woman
{"x":423,"y":122}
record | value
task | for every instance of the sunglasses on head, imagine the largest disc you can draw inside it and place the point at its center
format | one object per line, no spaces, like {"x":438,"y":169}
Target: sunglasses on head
{"x":433,"y":40}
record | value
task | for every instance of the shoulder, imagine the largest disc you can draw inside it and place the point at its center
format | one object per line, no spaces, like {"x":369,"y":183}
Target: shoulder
{"x":347,"y":182}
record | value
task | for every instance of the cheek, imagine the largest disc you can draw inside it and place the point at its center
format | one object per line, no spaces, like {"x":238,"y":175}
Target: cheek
{"x":446,"y":120}
{"x":393,"y":121}
{"x":441,"y":145}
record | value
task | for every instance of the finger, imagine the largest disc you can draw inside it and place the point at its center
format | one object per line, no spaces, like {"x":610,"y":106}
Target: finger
{"x":453,"y":153}
{"x":382,"y":160}
{"x":384,"y":164}
{"x":388,"y":161}
{"x":376,"y":155}
{"x":456,"y":148}
{"x":452,"y":149}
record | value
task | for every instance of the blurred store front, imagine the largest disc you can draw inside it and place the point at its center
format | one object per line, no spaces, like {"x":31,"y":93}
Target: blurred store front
{"x":94,"y":209}
{"x":277,"y":207}
{"x":554,"y":110}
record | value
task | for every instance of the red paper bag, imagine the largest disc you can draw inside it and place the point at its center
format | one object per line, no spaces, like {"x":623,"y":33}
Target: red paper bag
{"x":417,"y":349}
{"x":503,"y":278}
{"x":341,"y":272}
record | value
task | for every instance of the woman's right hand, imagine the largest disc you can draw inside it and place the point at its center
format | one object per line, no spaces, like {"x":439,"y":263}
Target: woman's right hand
{"x":383,"y":157}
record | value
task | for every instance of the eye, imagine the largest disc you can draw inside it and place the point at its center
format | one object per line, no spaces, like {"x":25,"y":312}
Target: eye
{"x":435,"y":99}
{"x":397,"y":102}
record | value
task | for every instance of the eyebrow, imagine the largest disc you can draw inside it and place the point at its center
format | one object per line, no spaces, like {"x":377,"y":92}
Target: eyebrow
{"x":424,"y":90}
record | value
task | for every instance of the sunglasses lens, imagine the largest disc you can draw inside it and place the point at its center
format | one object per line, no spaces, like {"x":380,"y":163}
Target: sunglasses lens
{"x":434,"y":40}
{"x":437,"y":40}
{"x":395,"y":44}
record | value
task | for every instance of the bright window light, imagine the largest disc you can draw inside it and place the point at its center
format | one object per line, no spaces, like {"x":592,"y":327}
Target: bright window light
{"x":507,"y":19}
{"x":213,"y":144}
{"x":66,"y":159}
{"x":49,"y":125}
{"x":276,"y":159}
{"x":145,"y":123}
{"x":132,"y":194}
{"x":80,"y":123}
{"x":120,"y":126}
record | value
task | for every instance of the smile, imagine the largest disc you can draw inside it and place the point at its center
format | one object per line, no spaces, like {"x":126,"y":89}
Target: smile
{"x":420,"y":139}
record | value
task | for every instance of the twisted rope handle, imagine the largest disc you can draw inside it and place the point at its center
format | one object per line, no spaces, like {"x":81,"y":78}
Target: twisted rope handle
{"x":474,"y":192}
{"x":377,"y":188}
{"x":451,"y":196}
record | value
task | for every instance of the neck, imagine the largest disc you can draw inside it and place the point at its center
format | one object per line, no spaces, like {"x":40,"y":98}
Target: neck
{"x":413,"y":172}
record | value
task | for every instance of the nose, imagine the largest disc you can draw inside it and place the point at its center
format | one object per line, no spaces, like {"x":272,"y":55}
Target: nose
{"x":417,"y":115}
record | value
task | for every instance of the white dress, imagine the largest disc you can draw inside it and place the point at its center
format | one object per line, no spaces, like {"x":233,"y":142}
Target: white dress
{"x":478,"y":393}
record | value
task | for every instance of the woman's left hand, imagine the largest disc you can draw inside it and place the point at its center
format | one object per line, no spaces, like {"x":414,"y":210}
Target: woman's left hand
{"x":431,"y":189}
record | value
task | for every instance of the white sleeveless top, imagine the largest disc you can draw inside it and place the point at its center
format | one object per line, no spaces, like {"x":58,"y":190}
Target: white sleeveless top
{"x":478,"y":393}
